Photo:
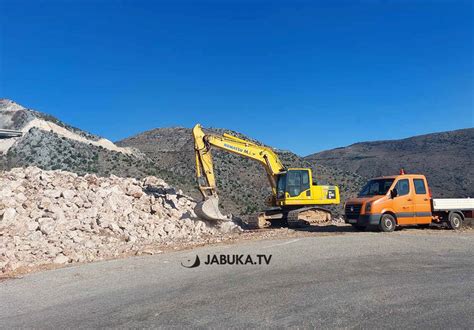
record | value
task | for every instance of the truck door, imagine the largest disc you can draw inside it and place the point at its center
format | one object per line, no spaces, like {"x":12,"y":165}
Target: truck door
{"x":422,"y":201}
{"x":403,"y":203}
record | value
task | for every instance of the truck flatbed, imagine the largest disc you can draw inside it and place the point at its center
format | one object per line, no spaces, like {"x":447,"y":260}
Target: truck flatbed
{"x":441,"y":204}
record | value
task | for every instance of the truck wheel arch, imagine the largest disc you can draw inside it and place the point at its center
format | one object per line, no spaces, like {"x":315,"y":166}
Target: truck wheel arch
{"x":391,"y":213}
{"x":458,"y":212}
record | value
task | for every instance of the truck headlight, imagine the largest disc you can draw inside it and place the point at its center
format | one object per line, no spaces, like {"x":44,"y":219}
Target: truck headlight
{"x":368,"y":207}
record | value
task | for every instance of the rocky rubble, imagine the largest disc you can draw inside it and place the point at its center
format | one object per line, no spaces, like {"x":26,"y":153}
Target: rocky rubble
{"x":59,"y":217}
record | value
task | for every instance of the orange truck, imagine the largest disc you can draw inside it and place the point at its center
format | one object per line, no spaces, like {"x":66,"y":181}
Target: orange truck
{"x":405,"y":199}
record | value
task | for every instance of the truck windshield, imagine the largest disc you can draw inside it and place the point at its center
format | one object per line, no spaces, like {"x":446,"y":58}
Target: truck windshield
{"x":376,"y":187}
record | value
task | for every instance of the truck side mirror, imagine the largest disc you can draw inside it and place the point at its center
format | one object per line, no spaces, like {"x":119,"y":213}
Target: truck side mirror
{"x":393,"y":193}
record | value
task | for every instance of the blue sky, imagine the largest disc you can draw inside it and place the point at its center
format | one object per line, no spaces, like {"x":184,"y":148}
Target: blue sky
{"x":305,"y":76}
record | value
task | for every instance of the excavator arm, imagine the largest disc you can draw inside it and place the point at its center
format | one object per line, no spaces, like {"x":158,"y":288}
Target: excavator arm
{"x":203,"y":143}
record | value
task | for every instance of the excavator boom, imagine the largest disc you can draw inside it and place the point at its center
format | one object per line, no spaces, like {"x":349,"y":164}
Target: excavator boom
{"x":208,"y":208}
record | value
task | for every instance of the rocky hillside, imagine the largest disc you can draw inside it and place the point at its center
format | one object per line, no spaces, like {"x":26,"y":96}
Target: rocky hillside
{"x":166,"y":153}
{"x":447,"y":159}
{"x":16,"y":117}
{"x":242,"y":183}
{"x":51,"y":144}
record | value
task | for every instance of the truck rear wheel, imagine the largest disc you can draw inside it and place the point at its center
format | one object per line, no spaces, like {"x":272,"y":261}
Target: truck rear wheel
{"x":387,"y":223}
{"x":455,"y":221}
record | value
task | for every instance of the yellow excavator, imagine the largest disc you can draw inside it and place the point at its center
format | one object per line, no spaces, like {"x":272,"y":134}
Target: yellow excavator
{"x":295,"y":199}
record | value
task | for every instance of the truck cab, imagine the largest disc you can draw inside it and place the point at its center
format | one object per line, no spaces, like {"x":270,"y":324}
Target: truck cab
{"x":391,"y":201}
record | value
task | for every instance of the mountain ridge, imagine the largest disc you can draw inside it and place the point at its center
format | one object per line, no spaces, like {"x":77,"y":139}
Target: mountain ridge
{"x":242,"y":183}
{"x":389,"y":140}
{"x":446,"y":158}
{"x":14,"y":116}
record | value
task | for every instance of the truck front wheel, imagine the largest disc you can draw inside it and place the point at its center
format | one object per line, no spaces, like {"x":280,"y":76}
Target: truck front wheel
{"x":387,"y":223}
{"x":455,"y":221}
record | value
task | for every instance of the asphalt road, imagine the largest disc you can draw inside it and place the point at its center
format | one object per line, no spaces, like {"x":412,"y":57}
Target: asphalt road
{"x":356,"y":280}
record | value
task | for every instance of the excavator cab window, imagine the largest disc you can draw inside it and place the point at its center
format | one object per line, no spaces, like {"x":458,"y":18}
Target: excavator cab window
{"x":281,"y":186}
{"x":297,"y":181}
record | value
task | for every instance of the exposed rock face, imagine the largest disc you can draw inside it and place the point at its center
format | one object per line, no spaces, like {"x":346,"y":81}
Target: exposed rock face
{"x":14,"y":116}
{"x":59,"y":217}
{"x":50,"y":144}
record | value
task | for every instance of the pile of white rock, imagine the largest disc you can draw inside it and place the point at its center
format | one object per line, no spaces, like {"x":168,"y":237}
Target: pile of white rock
{"x":59,"y":217}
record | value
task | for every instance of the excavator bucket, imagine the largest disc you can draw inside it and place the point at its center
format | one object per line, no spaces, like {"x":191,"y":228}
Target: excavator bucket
{"x":209,"y":210}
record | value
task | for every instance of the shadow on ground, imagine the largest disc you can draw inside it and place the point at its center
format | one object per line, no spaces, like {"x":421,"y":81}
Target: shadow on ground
{"x":342,"y":228}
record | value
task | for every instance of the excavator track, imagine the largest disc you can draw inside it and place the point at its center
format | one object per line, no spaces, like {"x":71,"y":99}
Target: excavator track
{"x":257,"y":222}
{"x":296,"y":218}
{"x":264,"y":219}
{"x":307,"y":216}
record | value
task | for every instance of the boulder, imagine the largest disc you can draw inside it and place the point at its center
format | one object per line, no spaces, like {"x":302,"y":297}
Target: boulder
{"x":134,"y":191}
{"x":61,"y":259}
{"x":8,"y":215}
{"x":46,"y":225}
{"x":68,"y":194}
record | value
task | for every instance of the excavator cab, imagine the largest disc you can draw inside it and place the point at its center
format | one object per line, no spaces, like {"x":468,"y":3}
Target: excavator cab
{"x":293,"y":183}
{"x":295,"y":187}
